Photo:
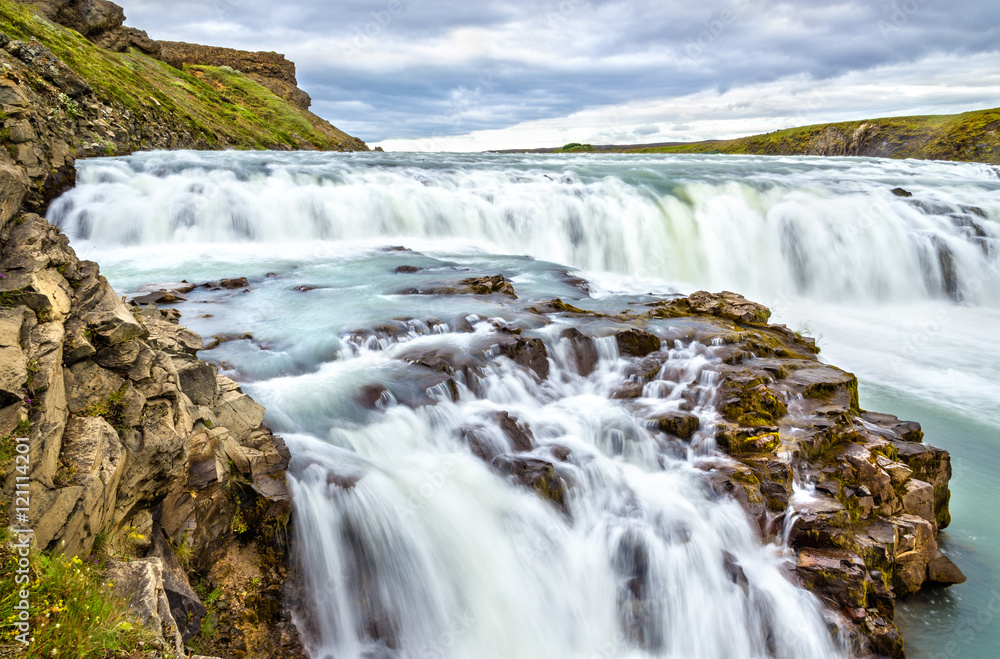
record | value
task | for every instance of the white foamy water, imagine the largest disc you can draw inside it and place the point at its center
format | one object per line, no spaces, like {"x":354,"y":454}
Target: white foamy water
{"x":429,"y":552}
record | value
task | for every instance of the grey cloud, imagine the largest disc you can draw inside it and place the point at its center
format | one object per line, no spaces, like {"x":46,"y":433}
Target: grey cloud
{"x":414,"y":78}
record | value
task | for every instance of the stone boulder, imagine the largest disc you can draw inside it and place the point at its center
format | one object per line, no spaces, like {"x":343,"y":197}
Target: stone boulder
{"x":635,"y":342}
{"x":728,"y":305}
{"x":50,"y":67}
{"x":140,"y":583}
{"x":583,"y":351}
{"x":535,"y":473}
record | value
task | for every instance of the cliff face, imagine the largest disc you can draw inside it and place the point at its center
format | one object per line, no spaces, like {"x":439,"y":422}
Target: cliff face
{"x":131,"y":436}
{"x":102,"y":23}
{"x":134,"y":442}
{"x":271,"y":70}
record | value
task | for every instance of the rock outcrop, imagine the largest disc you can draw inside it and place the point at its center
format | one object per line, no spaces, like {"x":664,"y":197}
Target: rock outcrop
{"x":272,"y":70}
{"x":100,"y":21}
{"x":102,"y":104}
{"x":103,"y":23}
{"x":134,"y":442}
{"x":132,"y":436}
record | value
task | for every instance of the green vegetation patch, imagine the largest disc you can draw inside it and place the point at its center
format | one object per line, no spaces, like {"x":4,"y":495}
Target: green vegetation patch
{"x":74,"y":609}
{"x":575,"y":147}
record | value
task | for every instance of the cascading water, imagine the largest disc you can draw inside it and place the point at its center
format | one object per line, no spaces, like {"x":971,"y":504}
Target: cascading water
{"x":414,"y":545}
{"x":832,"y":231}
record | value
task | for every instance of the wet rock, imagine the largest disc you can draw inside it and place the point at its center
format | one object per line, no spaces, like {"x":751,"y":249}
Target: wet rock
{"x":735,"y":571}
{"x":824,"y":523}
{"x":373,"y":396}
{"x":503,"y":434}
{"x":407,"y":269}
{"x":647,"y":368}
{"x":517,"y":432}
{"x":833,"y":575}
{"x":750,"y":403}
{"x":679,"y":424}
{"x":496,"y":284}
{"x":582,"y":349}
{"x":739,"y":482}
{"x":627,"y":390}
{"x":826,"y":383}
{"x":635,"y":342}
{"x":219,"y":339}
{"x":942,"y":571}
{"x":950,"y":283}
{"x":183,"y":287}
{"x":747,"y":441}
{"x":159,"y":297}
{"x":239,"y":282}
{"x":900,"y":192}
{"x":528,"y":353}
{"x":539,"y":475}
{"x":728,"y":305}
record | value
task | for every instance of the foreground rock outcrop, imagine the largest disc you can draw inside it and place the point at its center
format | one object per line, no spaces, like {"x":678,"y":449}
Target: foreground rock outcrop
{"x":136,"y":442}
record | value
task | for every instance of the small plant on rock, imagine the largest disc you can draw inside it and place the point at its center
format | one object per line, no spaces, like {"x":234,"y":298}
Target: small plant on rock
{"x":71,"y":106}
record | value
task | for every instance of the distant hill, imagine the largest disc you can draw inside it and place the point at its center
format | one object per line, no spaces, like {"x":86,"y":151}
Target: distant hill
{"x":970,"y":137}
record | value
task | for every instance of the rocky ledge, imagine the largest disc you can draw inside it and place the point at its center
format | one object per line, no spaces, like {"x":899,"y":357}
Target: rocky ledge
{"x":139,"y":446}
{"x":855,"y":495}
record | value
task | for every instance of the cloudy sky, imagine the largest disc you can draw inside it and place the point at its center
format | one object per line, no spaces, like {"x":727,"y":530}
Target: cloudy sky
{"x":467,"y":75}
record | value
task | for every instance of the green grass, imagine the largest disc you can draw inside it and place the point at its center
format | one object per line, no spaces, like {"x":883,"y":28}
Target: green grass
{"x":74,"y":610}
{"x":971,"y":137}
{"x":223,"y":109}
{"x":111,"y":409}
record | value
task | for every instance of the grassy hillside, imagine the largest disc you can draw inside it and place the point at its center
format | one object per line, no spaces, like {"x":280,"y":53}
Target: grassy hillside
{"x":971,"y":136}
{"x":218,"y":105}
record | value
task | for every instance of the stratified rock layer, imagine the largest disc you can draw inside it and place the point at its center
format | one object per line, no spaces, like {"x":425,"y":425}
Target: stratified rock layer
{"x":132,"y":436}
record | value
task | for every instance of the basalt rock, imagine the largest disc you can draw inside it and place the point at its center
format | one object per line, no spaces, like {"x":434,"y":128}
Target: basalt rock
{"x":491,"y":285}
{"x":128,"y":428}
{"x":635,"y":342}
{"x":582,"y":349}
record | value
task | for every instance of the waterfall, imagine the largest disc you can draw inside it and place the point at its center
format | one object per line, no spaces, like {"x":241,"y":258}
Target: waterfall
{"x":833,"y":231}
{"x":414,"y":547}
{"x":414,"y":537}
